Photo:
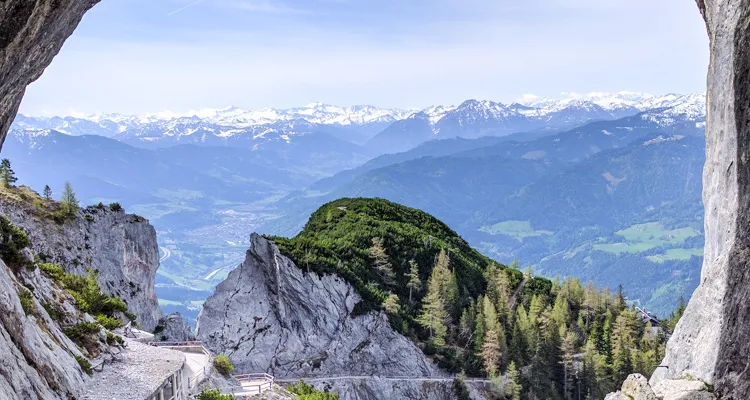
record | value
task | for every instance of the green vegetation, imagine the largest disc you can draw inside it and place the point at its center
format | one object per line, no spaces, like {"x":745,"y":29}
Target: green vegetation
{"x":85,"y":365}
{"x":89,"y":296}
{"x":676,"y":254}
{"x":306,"y":391}
{"x":518,"y":230}
{"x":27,"y":302}
{"x":109,"y":323}
{"x":68,"y":202}
{"x":47,"y":192}
{"x":460,"y":389}
{"x":643,"y":237}
{"x":213,"y":394}
{"x":83,"y":334}
{"x":475,"y":315}
{"x":7,"y":176}
{"x":12,"y":241}
{"x":114,"y":340}
{"x":223,"y":364}
{"x":115,"y":207}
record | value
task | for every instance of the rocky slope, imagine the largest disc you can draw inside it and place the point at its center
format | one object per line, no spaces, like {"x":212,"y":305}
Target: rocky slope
{"x":270,"y":316}
{"x":31,"y":34}
{"x":121,"y":247}
{"x":37,"y":359}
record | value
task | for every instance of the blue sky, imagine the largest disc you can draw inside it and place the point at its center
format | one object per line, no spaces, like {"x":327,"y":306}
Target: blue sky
{"x":136,"y":56}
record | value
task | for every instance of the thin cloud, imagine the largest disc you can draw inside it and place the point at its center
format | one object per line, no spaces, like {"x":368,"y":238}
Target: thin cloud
{"x":184,"y":7}
{"x":263,"y":6}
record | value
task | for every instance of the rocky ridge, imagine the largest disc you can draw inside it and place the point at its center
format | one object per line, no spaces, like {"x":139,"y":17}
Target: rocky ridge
{"x":270,"y":316}
{"x":121,"y":247}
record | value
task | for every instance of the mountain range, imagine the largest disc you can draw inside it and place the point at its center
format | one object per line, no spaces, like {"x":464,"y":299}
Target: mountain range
{"x":590,"y":186}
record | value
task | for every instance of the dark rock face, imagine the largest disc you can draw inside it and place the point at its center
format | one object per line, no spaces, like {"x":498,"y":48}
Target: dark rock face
{"x":712,"y":341}
{"x":31,"y":34}
{"x":172,"y":328}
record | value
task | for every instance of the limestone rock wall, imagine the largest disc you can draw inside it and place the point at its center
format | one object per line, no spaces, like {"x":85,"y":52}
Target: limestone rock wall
{"x":270,"y":316}
{"x":36,"y":359}
{"x":122,"y":247}
{"x":31,"y":34}
{"x":712,"y":340}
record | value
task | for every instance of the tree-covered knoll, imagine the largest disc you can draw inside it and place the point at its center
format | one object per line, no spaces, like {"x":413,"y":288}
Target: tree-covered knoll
{"x":552,"y":339}
{"x":339,"y":238}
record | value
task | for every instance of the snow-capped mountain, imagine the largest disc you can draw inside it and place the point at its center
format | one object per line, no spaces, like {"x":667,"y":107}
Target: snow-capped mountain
{"x":379,"y":129}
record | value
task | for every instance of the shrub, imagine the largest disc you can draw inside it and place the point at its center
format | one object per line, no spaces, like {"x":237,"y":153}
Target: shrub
{"x":109,"y":323}
{"x":306,"y":391}
{"x":213,"y":394}
{"x":460,"y":389}
{"x":12,"y":241}
{"x":89,"y":218}
{"x":85,"y":335}
{"x":27,"y":303}
{"x":114,"y":340}
{"x":85,"y":365}
{"x":223,"y":364}
{"x":54,"y":271}
{"x":82,"y":332}
{"x":55,"y":313}
{"x":131,"y":316}
{"x":115,"y":207}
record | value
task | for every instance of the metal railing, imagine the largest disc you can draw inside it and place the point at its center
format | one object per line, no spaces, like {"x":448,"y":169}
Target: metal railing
{"x":250,"y":385}
{"x":197,"y":378}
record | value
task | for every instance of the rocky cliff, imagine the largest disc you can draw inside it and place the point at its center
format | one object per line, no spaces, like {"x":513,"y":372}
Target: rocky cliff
{"x":121,"y":247}
{"x":270,"y":316}
{"x":711,"y":342}
{"x":31,"y":34}
{"x":36,"y":358}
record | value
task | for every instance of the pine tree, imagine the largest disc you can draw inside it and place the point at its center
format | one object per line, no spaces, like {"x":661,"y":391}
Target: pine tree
{"x":69,"y":202}
{"x":414,"y":284}
{"x":434,"y":315}
{"x":380,"y":259}
{"x":620,"y":300}
{"x":47,"y":192}
{"x":498,"y":290}
{"x":391,"y":304}
{"x":514,"y":388}
{"x":568,"y":350}
{"x":6,"y":173}
{"x":491,"y":353}
{"x":466,"y":324}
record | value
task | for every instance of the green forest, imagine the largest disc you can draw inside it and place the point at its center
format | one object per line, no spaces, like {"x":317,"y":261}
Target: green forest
{"x":536,"y":338}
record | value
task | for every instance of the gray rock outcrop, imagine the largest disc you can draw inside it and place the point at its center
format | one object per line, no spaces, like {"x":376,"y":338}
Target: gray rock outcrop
{"x":270,"y":316}
{"x":122,"y":247}
{"x":173,"y":328}
{"x":636,"y":387}
{"x":31,"y":34}
{"x":36,"y":359}
{"x":712,"y":340}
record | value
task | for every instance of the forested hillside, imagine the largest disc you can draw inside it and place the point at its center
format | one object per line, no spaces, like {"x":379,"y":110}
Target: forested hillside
{"x":550,"y":339}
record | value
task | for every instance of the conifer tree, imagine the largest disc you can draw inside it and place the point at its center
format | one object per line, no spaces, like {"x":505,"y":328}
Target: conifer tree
{"x":414,"y":283}
{"x":514,"y":388}
{"x":391,"y":304}
{"x":69,"y":202}
{"x":467,"y":324}
{"x":491,"y":353}
{"x":47,"y":192}
{"x":7,"y":175}
{"x":434,"y":316}
{"x":568,"y":350}
{"x":380,"y":259}
{"x":620,"y":299}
